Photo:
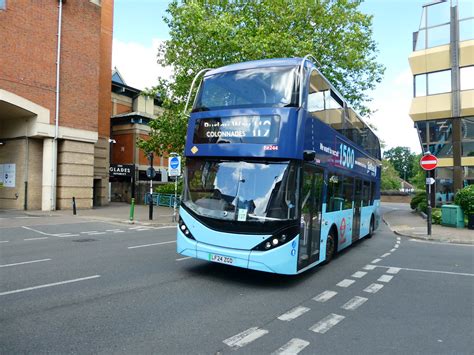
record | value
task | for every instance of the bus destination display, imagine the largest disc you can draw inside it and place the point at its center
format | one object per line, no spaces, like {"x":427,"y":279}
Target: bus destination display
{"x":237,"y":129}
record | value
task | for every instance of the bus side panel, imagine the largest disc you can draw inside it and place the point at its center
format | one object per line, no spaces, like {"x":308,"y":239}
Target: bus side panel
{"x":365,"y":215}
{"x":343,"y":222}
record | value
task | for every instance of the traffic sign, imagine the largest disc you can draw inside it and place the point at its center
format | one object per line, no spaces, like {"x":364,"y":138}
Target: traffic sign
{"x":428,"y":162}
{"x":150,"y":173}
{"x":174,"y":166}
{"x":430,"y":181}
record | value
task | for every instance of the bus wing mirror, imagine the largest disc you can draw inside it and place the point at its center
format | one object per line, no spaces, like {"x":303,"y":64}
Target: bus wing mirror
{"x":309,"y":155}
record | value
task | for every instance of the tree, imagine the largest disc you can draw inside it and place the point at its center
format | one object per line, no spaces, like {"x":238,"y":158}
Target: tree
{"x":213,"y":34}
{"x":402,"y":160}
{"x":390,"y":179}
{"x":419,"y":175}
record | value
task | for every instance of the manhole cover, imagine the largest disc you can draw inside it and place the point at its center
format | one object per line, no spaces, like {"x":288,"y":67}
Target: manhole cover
{"x":84,"y":240}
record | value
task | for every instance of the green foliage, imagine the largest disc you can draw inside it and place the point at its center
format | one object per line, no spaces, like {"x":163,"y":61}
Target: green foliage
{"x":465,"y":199}
{"x":419,"y":175}
{"x":402,"y":160}
{"x":417,"y":199}
{"x":390,"y":179}
{"x":436,"y":215}
{"x":422,"y":206}
{"x":169,"y":188}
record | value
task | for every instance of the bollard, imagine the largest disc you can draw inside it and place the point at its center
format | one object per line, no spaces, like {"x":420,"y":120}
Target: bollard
{"x":132,"y":209}
{"x":74,"y":212}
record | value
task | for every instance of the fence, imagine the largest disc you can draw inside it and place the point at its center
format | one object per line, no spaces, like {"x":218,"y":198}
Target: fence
{"x":159,"y":199}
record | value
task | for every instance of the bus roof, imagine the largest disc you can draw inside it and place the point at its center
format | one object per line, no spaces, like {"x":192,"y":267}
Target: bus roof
{"x":263,"y":63}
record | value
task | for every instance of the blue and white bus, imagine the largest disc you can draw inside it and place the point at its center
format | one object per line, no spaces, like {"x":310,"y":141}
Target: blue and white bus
{"x":280,"y":172}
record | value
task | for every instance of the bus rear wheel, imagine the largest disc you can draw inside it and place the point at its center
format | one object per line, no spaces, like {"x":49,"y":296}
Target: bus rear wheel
{"x":371,"y":228}
{"x":330,"y":246}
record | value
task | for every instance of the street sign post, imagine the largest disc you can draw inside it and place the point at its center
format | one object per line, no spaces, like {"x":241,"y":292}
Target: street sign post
{"x":429,"y":162}
{"x":174,"y":169}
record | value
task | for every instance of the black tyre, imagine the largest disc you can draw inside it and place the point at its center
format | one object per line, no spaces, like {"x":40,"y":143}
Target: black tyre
{"x":371,"y":228}
{"x":330,"y":246}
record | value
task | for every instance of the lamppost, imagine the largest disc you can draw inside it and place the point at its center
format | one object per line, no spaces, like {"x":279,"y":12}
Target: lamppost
{"x":151,"y":175}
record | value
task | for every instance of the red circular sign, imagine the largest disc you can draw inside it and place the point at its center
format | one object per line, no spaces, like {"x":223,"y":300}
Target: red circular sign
{"x":342,"y":228}
{"x":428,"y":162}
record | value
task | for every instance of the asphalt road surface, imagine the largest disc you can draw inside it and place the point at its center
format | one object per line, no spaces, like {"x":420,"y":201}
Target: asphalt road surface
{"x":68,"y":287}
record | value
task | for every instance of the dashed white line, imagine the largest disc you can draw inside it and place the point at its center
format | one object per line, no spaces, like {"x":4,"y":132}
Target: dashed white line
{"x":375,"y":261}
{"x":385,"y":255}
{"x":149,"y":245}
{"x":34,"y":230}
{"x":25,"y":262}
{"x":49,"y":285}
{"x":4,"y":241}
{"x":89,"y":232}
{"x":354,"y":303}
{"x":369,"y":267}
{"x":185,"y":258}
{"x":40,"y":238}
{"x":398,"y":242}
{"x":327,"y":323}
{"x":359,"y":274}
{"x":244,"y":338}
{"x":345,"y":283}
{"x":393,"y":270}
{"x":430,"y":271}
{"x":326,"y":295}
{"x":396,"y":246}
{"x":398,"y":238}
{"x":385,"y":278}
{"x":294,"y":346}
{"x":392,"y":250}
{"x":294,"y":313}
{"x":68,"y":236}
{"x":373,"y":288}
{"x":96,"y":233}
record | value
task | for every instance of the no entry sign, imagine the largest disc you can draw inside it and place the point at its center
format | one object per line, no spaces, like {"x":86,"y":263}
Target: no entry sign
{"x":428,"y":162}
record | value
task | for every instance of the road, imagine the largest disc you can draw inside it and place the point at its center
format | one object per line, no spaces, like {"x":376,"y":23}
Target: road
{"x":94,"y":287}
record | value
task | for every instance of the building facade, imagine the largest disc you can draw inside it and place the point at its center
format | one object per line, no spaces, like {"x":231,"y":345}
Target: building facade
{"x":442,"y":64}
{"x":131,"y":113}
{"x":55,"y":103}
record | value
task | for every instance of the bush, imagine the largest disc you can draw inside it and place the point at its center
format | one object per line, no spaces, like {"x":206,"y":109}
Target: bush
{"x":465,"y":199}
{"x":419,"y":197}
{"x":169,"y":188}
{"x":422,"y":206}
{"x":436,"y":216}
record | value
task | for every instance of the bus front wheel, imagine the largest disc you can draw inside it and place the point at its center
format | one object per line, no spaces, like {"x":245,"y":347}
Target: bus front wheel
{"x":330,"y":246}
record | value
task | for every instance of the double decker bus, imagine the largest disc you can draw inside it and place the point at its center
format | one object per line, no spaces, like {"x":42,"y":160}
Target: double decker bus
{"x":280,"y":173}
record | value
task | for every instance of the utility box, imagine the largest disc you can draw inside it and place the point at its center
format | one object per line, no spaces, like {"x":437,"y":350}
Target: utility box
{"x":452,"y":216}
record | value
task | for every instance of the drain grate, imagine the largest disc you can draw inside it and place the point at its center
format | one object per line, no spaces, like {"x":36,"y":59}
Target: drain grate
{"x":83,"y":240}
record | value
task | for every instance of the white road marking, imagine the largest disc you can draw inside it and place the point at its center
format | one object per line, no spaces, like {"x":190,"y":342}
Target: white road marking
{"x":398,"y":238}
{"x":244,"y":338}
{"x":89,"y":232}
{"x":68,"y":236}
{"x":149,"y":245}
{"x":327,"y":323}
{"x":96,"y":233}
{"x":392,"y":250}
{"x":142,"y":229}
{"x":40,"y":238}
{"x":119,"y":231}
{"x":430,"y":271}
{"x":359,"y":274}
{"x":294,"y":346}
{"x":373,"y":288}
{"x":393,"y":270}
{"x":375,"y":261}
{"x":441,"y":243}
{"x":345,"y":283}
{"x":396,"y":246}
{"x":113,"y":230}
{"x":166,"y":227}
{"x":4,"y":241}
{"x":294,"y":313}
{"x":385,"y":278}
{"x":369,"y":267}
{"x":25,"y":262}
{"x":49,"y":285}
{"x":185,"y":258}
{"x":26,"y":217}
{"x":37,"y":231}
{"x":398,"y":242}
{"x":385,"y":255}
{"x":326,"y":295}
{"x":354,"y":303}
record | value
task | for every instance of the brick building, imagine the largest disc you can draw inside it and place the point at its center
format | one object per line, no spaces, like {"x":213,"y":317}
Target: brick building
{"x":442,"y":64}
{"x":131,"y":112}
{"x":52,"y":152}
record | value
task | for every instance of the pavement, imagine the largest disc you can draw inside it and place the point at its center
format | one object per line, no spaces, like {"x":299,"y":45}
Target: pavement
{"x":403,"y":221}
{"x":398,"y":216}
{"x":117,"y":212}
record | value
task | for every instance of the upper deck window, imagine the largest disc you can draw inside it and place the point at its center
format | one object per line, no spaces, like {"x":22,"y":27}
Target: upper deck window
{"x":257,"y":87}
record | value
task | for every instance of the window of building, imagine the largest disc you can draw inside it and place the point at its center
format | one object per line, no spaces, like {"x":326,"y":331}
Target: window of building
{"x":444,"y":186}
{"x":468,"y":172}
{"x":465,"y":9}
{"x":436,"y":137}
{"x":466,"y":29}
{"x":433,"y":83}
{"x":467,"y":136}
{"x":437,"y":14}
{"x":467,"y":78}
{"x":434,"y":27}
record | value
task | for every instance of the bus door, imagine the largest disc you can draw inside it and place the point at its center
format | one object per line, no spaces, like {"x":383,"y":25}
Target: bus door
{"x":357,"y":209}
{"x":310,"y":224}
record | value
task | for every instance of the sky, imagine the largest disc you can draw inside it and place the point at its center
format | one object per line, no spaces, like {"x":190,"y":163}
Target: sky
{"x":139,"y":29}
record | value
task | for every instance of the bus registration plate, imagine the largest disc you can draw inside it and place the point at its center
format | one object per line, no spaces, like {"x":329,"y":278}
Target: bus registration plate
{"x":221,"y":259}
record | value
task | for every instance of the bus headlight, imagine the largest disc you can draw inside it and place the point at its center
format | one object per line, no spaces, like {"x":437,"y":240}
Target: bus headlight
{"x":278,"y":239}
{"x":184,"y":229}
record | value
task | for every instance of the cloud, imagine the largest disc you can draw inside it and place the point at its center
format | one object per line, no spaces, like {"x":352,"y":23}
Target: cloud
{"x":137,"y":63}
